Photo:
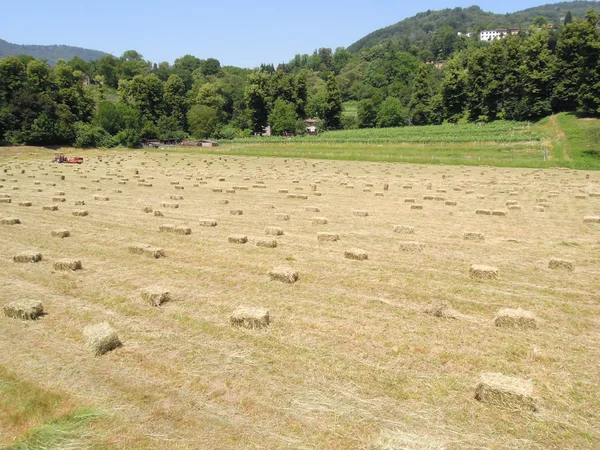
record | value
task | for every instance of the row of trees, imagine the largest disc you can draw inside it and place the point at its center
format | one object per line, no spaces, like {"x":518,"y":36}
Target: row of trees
{"x":119,"y":101}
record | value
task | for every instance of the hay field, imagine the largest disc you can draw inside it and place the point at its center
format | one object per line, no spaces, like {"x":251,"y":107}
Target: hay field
{"x":376,"y":353}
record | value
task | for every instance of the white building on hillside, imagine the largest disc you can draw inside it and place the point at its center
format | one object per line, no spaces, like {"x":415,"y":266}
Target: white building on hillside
{"x":490,"y":35}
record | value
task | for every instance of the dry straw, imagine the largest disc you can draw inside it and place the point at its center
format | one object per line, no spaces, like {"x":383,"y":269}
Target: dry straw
{"x":563,"y":264}
{"x":411,"y":247}
{"x":356,"y":253}
{"x":267,"y":243}
{"x":80,"y":212}
{"x":319,"y":221}
{"x":67,"y":264}
{"x":9,"y":221}
{"x":360,"y":213}
{"x":404,"y":229}
{"x":155,"y":295}
{"x":237,"y":238}
{"x":207,"y":223}
{"x":250,"y":317}
{"x":285,"y":274}
{"x":483,"y":272}
{"x":24,"y":309}
{"x":506,"y":392}
{"x":273,"y":231}
{"x":146,"y":249}
{"x":440,"y":309}
{"x":328,"y":237}
{"x":27,"y":257}
{"x":515,"y":318}
{"x":473,"y":236}
{"x":101,"y":338}
{"x":61,"y":233}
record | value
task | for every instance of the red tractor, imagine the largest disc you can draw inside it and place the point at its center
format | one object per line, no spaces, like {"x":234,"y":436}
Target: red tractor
{"x":62,"y":159}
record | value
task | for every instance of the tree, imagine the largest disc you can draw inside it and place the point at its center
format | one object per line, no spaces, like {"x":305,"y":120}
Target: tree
{"x":202,"y":121}
{"x":38,"y":76}
{"x":175,"y":100}
{"x":391,"y":113}
{"x":454,"y":88}
{"x":332,"y":110}
{"x":568,"y":18}
{"x":283,"y":117}
{"x":12,"y":76}
{"x":367,"y":114}
{"x":258,"y":100}
{"x":144,"y":92}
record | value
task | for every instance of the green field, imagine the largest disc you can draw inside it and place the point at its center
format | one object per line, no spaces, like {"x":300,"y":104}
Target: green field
{"x":558,"y":141}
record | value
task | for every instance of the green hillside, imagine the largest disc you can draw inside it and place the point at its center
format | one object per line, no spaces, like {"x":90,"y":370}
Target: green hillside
{"x":420,"y":28}
{"x":49,"y":53}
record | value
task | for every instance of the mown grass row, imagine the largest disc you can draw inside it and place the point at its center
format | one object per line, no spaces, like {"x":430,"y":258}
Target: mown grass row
{"x":500,"y":131}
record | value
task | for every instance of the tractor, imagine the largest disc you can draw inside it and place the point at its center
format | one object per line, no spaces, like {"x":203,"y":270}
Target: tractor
{"x":62,"y":159}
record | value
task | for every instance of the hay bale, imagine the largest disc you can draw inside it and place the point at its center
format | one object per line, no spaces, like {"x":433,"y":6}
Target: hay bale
{"x":61,"y":233}
{"x":101,"y":338}
{"x":24,"y":309}
{"x":176,"y":197}
{"x":483,"y":272}
{"x":440,"y":309}
{"x":223,"y":202}
{"x":237,"y":238}
{"x":182,"y":229}
{"x":411,"y":247}
{"x":449,"y":203}
{"x":147,"y":209}
{"x":155,"y":295}
{"x":146,"y":249}
{"x":59,"y":199}
{"x":166,"y":228}
{"x":409,"y":200}
{"x":507,"y":392}
{"x":9,"y":221}
{"x":169,"y":205}
{"x":25,"y":203}
{"x":49,"y":208}
{"x":282,"y":216}
{"x":557,"y":263}
{"x":68,"y":264}
{"x":416,"y":206}
{"x":515,"y":318}
{"x":428,"y":197}
{"x":80,"y":212}
{"x":312,"y":209}
{"x":539,"y":209}
{"x":250,"y":317}
{"x":101,"y":198}
{"x":328,"y":237}
{"x":79,"y":202}
{"x":591,"y":219}
{"x":472,"y":236}
{"x":498,"y":212}
{"x":207,"y":223}
{"x":267,"y":243}
{"x":158,"y":213}
{"x":5,"y":200}
{"x":403,"y":229}
{"x":514,"y":208}
{"x":356,"y":254}
{"x":236,"y":212}
{"x":273,"y":231}
{"x":360,"y":213}
{"x":285,"y":274}
{"x":27,"y":257}
{"x":483,"y":212}
{"x":319,"y":221}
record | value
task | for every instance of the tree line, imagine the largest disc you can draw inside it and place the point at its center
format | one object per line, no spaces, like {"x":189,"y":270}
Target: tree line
{"x":120,"y":101}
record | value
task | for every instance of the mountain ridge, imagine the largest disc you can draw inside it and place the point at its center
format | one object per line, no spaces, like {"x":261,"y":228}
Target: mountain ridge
{"x":50,"y":53}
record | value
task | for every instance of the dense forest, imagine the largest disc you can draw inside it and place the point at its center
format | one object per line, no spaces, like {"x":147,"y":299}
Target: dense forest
{"x":547,"y":67}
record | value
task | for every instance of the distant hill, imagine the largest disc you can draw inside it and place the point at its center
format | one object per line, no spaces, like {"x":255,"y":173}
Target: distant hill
{"x":50,"y":53}
{"x":418,"y":27}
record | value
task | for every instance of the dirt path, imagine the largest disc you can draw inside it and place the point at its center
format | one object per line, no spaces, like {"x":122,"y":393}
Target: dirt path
{"x":561,"y":142}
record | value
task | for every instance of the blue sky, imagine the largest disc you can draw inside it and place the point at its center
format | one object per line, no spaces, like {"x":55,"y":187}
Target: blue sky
{"x":240,"y":33}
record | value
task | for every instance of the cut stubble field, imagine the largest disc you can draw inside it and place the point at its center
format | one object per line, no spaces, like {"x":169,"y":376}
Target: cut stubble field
{"x":379,"y":344}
